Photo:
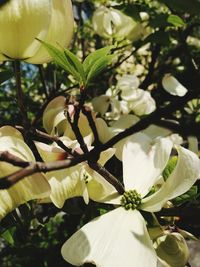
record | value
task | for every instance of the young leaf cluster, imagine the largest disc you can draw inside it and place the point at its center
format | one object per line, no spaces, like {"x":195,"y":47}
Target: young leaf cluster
{"x":84,"y":72}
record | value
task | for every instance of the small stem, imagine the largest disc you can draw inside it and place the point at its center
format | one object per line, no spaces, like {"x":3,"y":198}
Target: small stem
{"x":20,"y":96}
{"x":41,"y":72}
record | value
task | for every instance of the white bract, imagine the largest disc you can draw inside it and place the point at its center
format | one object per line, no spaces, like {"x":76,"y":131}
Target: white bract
{"x":22,"y":21}
{"x":120,"y":238}
{"x":31,"y":187}
{"x":173,"y":86}
{"x":138,"y":100}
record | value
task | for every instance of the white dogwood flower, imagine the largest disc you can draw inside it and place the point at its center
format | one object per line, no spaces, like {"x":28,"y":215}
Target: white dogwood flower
{"x":21,"y":22}
{"x":120,"y":238}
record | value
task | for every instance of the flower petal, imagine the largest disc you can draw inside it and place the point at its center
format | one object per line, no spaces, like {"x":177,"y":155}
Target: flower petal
{"x":173,"y":86}
{"x":21,"y":22}
{"x":54,"y":114}
{"x":118,"y":238}
{"x":10,"y":131}
{"x":185,"y":174}
{"x":60,"y":30}
{"x":31,"y":187}
{"x":143,"y":161}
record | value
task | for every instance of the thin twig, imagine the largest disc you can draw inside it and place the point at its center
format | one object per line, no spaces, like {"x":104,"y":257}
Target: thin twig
{"x":87,"y":112}
{"x":41,"y":72}
{"x":20,"y":96}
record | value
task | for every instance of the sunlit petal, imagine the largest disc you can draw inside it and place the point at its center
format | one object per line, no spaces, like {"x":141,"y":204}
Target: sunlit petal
{"x":185,"y":174}
{"x":143,"y":161}
{"x":10,"y":131}
{"x":118,"y":238}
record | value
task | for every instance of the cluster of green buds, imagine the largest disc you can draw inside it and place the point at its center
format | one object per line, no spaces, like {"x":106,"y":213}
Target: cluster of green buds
{"x":131,"y":200}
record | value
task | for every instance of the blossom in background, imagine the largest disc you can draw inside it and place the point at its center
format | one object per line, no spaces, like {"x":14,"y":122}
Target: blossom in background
{"x":138,"y":100}
{"x":110,"y":22}
{"x":125,"y":98}
{"x":173,"y":86}
{"x":120,"y":237}
{"x":21,"y":22}
{"x":31,"y":187}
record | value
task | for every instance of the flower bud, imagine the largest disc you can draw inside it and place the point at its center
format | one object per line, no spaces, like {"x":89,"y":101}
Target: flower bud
{"x":22,"y":21}
{"x":172,"y":250}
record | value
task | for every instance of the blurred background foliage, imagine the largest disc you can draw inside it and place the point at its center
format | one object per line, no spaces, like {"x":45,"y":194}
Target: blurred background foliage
{"x":33,"y":234}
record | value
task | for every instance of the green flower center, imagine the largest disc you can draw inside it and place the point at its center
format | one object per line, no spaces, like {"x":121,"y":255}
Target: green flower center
{"x":131,"y":200}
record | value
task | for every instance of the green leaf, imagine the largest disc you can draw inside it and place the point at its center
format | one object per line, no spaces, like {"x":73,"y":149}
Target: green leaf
{"x":188,"y":6}
{"x":76,"y":64}
{"x":95,"y":56}
{"x":176,"y":21}
{"x":66,"y":60}
{"x":8,"y":235}
{"x":98,"y":67}
{"x":170,"y":167}
{"x":188,"y":196}
{"x":5,"y":75}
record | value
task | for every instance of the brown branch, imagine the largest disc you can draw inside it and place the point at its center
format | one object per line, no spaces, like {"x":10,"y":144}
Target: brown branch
{"x":20,"y":96}
{"x":87,"y":112}
{"x":14,"y":160}
{"x":142,"y":124}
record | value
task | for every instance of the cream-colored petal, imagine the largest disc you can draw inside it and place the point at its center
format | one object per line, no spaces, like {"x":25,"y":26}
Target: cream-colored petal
{"x":83,"y":126}
{"x":22,"y":21}
{"x":106,"y":155}
{"x":97,"y":186}
{"x":127,"y":82}
{"x":101,"y":103}
{"x":3,"y":58}
{"x":32,"y":187}
{"x":65,"y":184}
{"x":54,"y":114}
{"x":103,"y":130}
{"x":16,"y":147}
{"x":141,"y":102}
{"x":50,"y":152}
{"x":10,"y":131}
{"x":124,"y":122}
{"x":173,"y":86}
{"x":143,"y":161}
{"x":118,"y":238}
{"x":154,"y":131}
{"x":185,"y":174}
{"x":60,"y":30}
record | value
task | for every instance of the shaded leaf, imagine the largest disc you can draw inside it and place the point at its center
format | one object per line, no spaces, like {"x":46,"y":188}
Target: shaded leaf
{"x":188,"y":196}
{"x":176,"y":21}
{"x":170,"y":167}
